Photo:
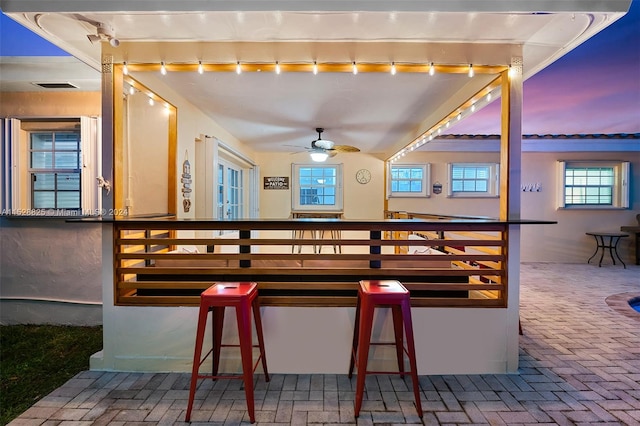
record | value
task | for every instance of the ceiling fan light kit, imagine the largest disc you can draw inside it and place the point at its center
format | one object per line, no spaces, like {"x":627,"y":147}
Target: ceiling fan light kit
{"x":319,"y":156}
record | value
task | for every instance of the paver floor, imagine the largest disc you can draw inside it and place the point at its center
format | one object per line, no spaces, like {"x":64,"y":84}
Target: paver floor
{"x":579,"y":365}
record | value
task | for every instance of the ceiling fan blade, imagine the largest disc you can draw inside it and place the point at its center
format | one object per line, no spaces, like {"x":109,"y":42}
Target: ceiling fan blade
{"x":332,"y":153}
{"x":345,"y":148}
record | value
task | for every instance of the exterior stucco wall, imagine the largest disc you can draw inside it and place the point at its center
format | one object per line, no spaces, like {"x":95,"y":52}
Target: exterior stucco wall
{"x":50,"y":272}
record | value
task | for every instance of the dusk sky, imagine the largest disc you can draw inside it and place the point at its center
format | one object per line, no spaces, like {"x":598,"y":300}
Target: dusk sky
{"x":593,"y":89}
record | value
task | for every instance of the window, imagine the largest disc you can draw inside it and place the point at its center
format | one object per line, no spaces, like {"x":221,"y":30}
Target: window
{"x":317,"y":188}
{"x":55,"y":169}
{"x":410,"y":180}
{"x":597,"y":184}
{"x":473,"y":180}
{"x":50,"y":166}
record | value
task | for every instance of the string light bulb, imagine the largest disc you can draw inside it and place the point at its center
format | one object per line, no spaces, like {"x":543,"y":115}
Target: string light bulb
{"x":151,"y":102}
{"x":238,"y":68}
{"x":277,"y":67}
{"x":163,"y":69}
{"x":125,"y":70}
{"x":432,"y":69}
{"x":471,"y":72}
{"x":200,"y":68}
{"x":355,"y":68}
{"x":132,"y":91}
{"x":393,"y":68}
{"x":315,"y":68}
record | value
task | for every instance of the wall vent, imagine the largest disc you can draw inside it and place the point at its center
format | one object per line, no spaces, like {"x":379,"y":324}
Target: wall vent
{"x":63,"y":85}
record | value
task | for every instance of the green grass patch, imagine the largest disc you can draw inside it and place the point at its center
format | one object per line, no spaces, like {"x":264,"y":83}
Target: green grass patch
{"x":37,"y":359}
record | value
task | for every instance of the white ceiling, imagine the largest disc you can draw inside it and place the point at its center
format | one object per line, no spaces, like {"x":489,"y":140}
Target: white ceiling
{"x":376,"y":112}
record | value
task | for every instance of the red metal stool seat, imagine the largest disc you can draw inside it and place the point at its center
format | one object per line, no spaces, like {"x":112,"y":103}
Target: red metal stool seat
{"x":242,"y":296}
{"x":387,"y":293}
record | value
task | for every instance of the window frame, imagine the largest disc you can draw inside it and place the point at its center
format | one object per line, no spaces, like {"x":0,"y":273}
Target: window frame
{"x":620,"y":187}
{"x":16,"y":184}
{"x":295,"y":188}
{"x":426,"y":181}
{"x":493,"y":182}
{"x":54,"y":169}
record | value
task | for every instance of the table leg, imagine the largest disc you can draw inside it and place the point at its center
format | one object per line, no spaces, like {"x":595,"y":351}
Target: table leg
{"x":597,"y":248}
{"x":613,"y":248}
{"x":601,"y":246}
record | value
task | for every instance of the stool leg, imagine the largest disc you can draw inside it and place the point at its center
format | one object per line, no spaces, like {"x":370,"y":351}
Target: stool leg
{"x":411,"y":349}
{"x":243,"y":314}
{"x":354,"y":344}
{"x":197,"y":353}
{"x":217,"y":321}
{"x":397,"y":330}
{"x":258,"y":320}
{"x":364,"y":339}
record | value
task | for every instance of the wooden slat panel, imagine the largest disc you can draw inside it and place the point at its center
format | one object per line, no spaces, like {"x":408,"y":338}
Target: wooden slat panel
{"x":307,"y":284}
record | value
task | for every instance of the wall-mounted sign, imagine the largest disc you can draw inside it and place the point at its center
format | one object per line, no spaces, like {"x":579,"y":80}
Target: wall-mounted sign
{"x":437,"y":188}
{"x":276,"y":182}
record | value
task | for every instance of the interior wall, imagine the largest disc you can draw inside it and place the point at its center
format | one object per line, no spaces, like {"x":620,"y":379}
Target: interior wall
{"x":361,"y":201}
{"x":147,"y":157}
{"x":192,"y":125}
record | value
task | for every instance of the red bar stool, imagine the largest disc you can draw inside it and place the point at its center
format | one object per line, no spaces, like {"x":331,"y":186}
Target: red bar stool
{"x":242,"y":296}
{"x":387,"y":293}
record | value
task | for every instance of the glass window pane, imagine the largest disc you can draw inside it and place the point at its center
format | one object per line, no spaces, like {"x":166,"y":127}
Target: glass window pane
{"x":68,"y":200}
{"x":403,"y":186}
{"x":66,"y":160}
{"x":68,"y":182}
{"x":416,"y":186}
{"x":41,"y":160}
{"x":42,"y":141}
{"x":44,"y":200}
{"x":43,"y":181}
{"x":67,"y":141}
{"x":469,"y":186}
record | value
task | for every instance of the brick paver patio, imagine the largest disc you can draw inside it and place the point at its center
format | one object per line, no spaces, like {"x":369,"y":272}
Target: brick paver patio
{"x":579,"y":365}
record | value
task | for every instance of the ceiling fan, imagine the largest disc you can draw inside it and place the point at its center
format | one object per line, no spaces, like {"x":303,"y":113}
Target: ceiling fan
{"x":321,"y":149}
